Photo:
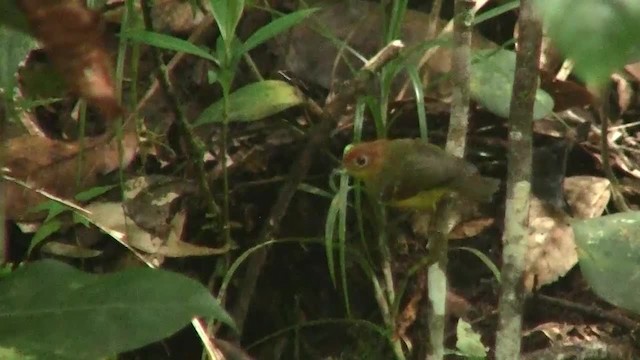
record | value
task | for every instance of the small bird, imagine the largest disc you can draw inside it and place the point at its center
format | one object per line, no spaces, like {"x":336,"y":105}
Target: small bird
{"x":414,"y":174}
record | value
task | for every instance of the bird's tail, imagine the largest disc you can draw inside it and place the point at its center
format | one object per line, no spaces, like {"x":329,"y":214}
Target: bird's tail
{"x":479,"y":188}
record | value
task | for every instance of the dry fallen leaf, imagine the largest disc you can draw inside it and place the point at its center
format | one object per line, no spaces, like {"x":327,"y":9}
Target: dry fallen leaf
{"x":53,"y":166}
{"x":315,"y":58}
{"x":551,"y":248}
{"x":470,"y":228}
{"x":73,"y":251}
{"x":112,"y":216}
{"x":587,"y":196}
{"x":73,"y":37}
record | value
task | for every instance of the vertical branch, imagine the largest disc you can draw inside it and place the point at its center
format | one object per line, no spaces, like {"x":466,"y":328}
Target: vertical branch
{"x":445,"y":217}
{"x":519,"y":158}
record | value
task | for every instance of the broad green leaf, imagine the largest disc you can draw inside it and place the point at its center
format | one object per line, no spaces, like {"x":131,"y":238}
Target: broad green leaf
{"x":275,"y":27}
{"x":469,"y":342}
{"x":13,"y":354}
{"x":492,"y":75}
{"x":12,"y":17}
{"x":51,"y":308}
{"x":169,"y":43}
{"x":608,"y":252}
{"x":600,"y":36}
{"x":253,"y":102}
{"x":15,"y":46}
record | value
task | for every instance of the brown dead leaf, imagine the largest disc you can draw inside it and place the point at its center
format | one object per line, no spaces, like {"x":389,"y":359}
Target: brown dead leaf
{"x":410,"y":312}
{"x":311,"y":55}
{"x":153,"y":201}
{"x":470,"y":228}
{"x":73,"y":251}
{"x":634,"y":70}
{"x":73,"y":37}
{"x":587,"y":196}
{"x":111,"y":215}
{"x":172,"y":16}
{"x":53,"y":166}
{"x":551,"y":248}
{"x":566,"y":94}
{"x":175,"y":16}
{"x":624,"y":91}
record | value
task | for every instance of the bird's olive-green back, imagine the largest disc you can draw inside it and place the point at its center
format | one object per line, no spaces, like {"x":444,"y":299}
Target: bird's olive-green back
{"x":414,"y":165}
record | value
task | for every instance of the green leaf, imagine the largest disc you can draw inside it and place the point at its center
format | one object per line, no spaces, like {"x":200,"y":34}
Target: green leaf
{"x":275,"y":27}
{"x":13,"y":354}
{"x":253,"y":102}
{"x":48,"y":227}
{"x":93,"y":193}
{"x":51,"y":308}
{"x":496,"y":11}
{"x":609,"y":254}
{"x":15,"y":46}
{"x":599,"y":36}
{"x":169,"y":43}
{"x":492,"y":75}
{"x":52,"y":207}
{"x":469,"y":342}
{"x":12,"y":17}
{"x":227,"y":15}
{"x":484,"y":258}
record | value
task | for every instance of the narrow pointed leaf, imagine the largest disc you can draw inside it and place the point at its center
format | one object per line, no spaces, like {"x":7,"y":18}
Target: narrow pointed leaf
{"x":253,"y":102}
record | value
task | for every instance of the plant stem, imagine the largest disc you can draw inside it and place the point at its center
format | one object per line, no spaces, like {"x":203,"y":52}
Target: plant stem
{"x":519,"y":160}
{"x":445,"y":217}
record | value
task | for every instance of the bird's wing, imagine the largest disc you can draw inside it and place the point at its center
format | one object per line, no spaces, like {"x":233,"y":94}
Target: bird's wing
{"x":423,"y":170}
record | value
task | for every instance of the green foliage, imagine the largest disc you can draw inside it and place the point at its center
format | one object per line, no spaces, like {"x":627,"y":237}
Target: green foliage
{"x":51,"y":309}
{"x":492,"y":76}
{"x":485,"y":260}
{"x":13,"y":354}
{"x":609,"y":254}
{"x":48,"y":228}
{"x":253,"y":102}
{"x":169,"y":42}
{"x":469,"y":343}
{"x":496,"y":11}
{"x":15,"y":46}
{"x":336,"y":223}
{"x":12,"y":17}
{"x":600,"y":36}
{"x":274,"y":28}
{"x":54,"y":208}
{"x":227,"y":15}
{"x":93,"y":192}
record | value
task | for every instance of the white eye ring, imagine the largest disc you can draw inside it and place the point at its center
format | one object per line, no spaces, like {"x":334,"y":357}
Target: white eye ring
{"x":362,"y":161}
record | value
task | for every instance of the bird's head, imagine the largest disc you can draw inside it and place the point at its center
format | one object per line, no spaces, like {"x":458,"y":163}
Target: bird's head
{"x":364,"y":161}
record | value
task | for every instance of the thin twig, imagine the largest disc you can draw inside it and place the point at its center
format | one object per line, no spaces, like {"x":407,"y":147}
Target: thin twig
{"x":519,"y":160}
{"x":603,"y":110}
{"x":612,"y":317}
{"x":318,"y":135}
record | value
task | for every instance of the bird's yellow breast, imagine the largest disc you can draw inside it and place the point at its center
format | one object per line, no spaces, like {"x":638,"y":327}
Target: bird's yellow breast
{"x":424,"y":200}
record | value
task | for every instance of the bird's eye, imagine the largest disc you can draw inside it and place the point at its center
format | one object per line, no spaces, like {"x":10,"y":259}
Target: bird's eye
{"x":362,"y":161}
